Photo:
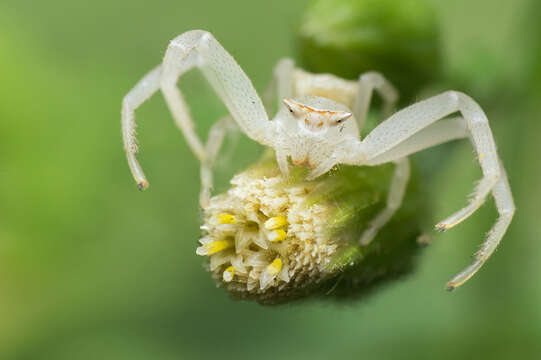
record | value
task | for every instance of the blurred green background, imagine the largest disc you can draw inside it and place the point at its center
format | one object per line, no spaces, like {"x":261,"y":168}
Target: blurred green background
{"x":92,"y":269}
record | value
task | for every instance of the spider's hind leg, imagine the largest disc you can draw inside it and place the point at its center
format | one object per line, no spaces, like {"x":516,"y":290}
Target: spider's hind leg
{"x":212,"y":147}
{"x":368,"y":82}
{"x":394,"y":200}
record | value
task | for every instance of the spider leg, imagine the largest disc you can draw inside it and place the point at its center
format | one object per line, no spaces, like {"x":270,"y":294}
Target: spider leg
{"x":395,"y":132}
{"x":200,"y":49}
{"x":197,"y":49}
{"x":216,"y":135}
{"x":506,"y":209}
{"x":435,"y":134}
{"x":281,"y":85}
{"x":416,"y":117}
{"x":394,"y":200}
{"x":325,"y":166}
{"x":368,"y":82}
{"x":212,"y":146}
{"x":283,"y":165}
{"x":140,"y":93}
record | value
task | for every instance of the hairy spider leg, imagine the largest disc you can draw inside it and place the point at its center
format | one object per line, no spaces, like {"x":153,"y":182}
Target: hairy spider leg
{"x":196,"y":49}
{"x":406,"y":123}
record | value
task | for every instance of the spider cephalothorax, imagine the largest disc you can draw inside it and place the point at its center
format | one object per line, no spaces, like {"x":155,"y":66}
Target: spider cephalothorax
{"x":315,"y":119}
{"x":310,"y":128}
{"x":319,"y":127}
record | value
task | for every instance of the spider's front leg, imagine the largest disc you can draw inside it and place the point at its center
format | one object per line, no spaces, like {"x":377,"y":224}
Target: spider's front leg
{"x":417,"y":127}
{"x":141,"y":92}
{"x":197,"y":49}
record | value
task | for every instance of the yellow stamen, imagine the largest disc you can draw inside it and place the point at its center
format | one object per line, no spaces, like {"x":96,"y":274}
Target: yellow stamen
{"x":214,"y":247}
{"x":226,"y":218}
{"x":277,"y":235}
{"x":481,"y":156}
{"x":274,"y":267}
{"x":229,"y":273}
{"x":275,"y":222}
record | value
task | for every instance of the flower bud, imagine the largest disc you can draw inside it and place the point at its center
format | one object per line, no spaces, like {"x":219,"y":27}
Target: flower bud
{"x":397,"y":38}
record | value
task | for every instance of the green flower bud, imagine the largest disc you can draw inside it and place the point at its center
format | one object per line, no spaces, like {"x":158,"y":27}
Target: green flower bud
{"x":275,"y":240}
{"x":397,"y":38}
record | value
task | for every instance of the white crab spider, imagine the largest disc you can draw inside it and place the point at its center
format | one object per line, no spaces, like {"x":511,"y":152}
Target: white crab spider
{"x":319,"y":127}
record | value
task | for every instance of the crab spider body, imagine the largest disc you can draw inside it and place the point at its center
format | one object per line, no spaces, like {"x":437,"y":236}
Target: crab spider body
{"x":318,"y":125}
{"x":309,"y":129}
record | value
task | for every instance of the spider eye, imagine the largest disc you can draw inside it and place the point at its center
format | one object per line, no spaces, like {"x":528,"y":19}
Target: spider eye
{"x":290,"y":110}
{"x":340,"y":116}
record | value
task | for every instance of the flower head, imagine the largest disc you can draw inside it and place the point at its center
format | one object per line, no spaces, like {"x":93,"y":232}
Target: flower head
{"x":274,"y":239}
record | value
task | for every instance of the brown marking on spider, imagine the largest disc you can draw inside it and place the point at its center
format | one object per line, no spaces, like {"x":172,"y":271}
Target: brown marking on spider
{"x":315,"y":118}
